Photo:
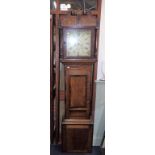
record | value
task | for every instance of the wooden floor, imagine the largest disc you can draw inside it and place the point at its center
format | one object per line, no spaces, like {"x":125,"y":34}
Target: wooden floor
{"x":56,"y":150}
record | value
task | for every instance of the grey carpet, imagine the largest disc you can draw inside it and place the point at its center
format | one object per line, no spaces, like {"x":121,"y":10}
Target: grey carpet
{"x":56,"y":150}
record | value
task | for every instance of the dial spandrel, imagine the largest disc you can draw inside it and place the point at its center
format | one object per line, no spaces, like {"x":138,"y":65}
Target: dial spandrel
{"x":78,"y":43}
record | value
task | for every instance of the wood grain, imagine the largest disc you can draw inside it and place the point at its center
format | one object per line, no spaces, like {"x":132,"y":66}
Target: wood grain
{"x":78,"y":89}
{"x":77,"y":137}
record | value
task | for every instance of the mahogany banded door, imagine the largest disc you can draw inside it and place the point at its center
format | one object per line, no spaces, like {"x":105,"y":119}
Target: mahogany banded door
{"x":78,"y":90}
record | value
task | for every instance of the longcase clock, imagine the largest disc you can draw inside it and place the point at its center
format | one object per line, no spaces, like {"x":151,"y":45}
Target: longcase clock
{"x":78,"y":55}
{"x":74,"y":43}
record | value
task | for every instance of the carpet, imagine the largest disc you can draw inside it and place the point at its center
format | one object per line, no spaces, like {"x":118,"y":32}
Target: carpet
{"x":56,"y":150}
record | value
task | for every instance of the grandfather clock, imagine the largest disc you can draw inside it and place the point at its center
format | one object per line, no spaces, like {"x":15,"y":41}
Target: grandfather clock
{"x":76,"y":46}
{"x":78,"y":54}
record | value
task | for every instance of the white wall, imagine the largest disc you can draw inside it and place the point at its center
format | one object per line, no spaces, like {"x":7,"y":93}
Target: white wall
{"x":101,"y":56}
{"x":99,"y":123}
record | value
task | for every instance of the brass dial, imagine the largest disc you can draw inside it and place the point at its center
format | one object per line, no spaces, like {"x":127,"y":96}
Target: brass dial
{"x":78,"y":42}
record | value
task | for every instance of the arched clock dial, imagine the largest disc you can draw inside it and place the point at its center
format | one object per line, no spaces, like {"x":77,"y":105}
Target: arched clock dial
{"x":78,"y":42}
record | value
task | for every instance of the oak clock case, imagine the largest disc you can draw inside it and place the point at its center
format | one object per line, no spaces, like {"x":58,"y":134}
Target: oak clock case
{"x":78,"y":55}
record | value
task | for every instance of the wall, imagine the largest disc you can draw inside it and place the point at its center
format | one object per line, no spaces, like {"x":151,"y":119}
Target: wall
{"x":99,"y":123}
{"x":101,"y":56}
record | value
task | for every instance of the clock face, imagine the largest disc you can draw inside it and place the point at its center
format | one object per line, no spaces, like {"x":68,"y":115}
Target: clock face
{"x":78,"y":43}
